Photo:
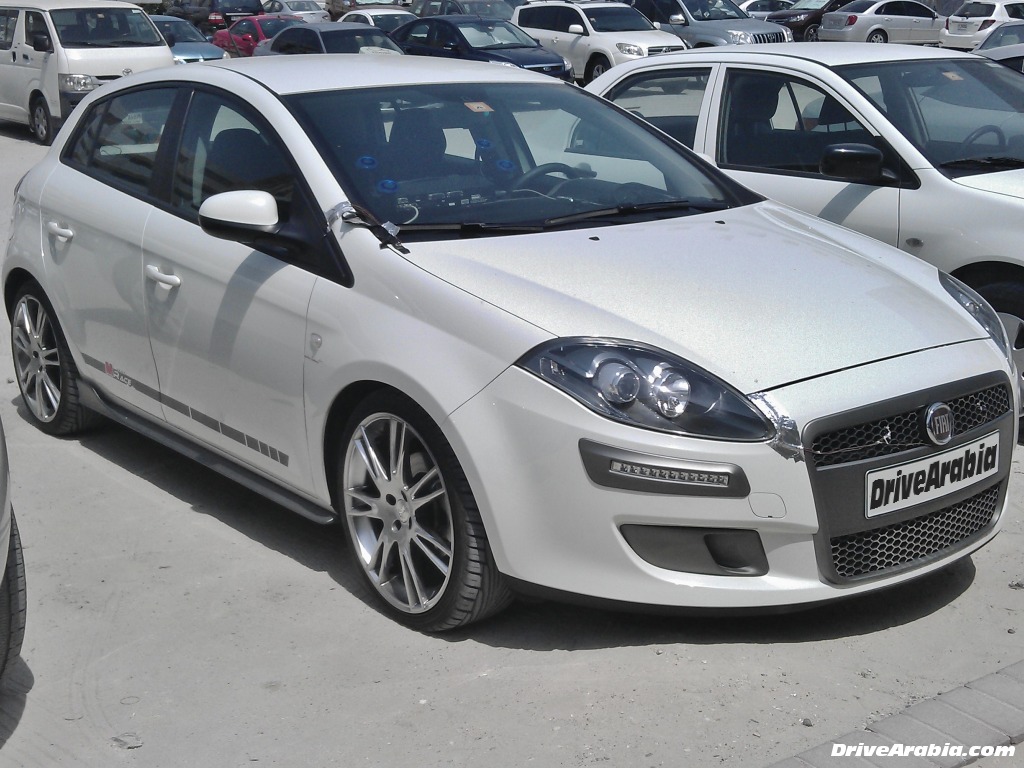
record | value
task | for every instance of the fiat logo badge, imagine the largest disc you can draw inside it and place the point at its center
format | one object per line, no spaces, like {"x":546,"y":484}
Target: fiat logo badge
{"x":938,"y":423}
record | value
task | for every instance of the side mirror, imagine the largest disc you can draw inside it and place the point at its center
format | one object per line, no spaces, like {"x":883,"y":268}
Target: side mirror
{"x":247,"y":38}
{"x":576,"y":29}
{"x":171,"y":39}
{"x":858,"y":163}
{"x":677,"y":18}
{"x":247,"y":216}
{"x":41,"y":43}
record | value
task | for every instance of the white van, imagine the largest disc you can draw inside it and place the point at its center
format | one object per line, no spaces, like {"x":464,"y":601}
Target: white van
{"x":54,"y":52}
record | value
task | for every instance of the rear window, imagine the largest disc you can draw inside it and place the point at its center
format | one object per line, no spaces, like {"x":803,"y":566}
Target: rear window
{"x":975,"y":10}
{"x":858,"y":6}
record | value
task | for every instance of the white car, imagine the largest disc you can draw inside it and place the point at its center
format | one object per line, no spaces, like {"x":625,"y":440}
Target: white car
{"x":594,"y":36}
{"x":12,"y":567}
{"x":307,"y":10}
{"x":969,"y":25}
{"x":920,"y":148}
{"x":509,"y":336}
{"x":882,"y":21}
{"x":385,"y":19}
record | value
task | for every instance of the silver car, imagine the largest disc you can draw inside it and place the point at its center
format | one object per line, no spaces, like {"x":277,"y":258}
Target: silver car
{"x":701,"y":23}
{"x":890,"y":21}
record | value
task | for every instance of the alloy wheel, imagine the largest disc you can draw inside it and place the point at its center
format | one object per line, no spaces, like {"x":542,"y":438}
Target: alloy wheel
{"x":36,"y":358}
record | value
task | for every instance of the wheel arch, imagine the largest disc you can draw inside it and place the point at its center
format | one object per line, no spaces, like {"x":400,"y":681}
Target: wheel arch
{"x":15,"y":280}
{"x":981,"y":272}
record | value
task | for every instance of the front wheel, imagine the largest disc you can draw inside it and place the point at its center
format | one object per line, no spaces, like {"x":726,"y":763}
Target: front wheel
{"x":12,"y":602}
{"x":811,"y":33}
{"x":878,"y":36}
{"x":41,"y":122}
{"x":413,"y":525}
{"x":596,"y":67}
{"x":46,"y":373}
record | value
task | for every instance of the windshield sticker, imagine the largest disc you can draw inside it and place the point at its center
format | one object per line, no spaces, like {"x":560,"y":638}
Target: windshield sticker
{"x":477,"y":106}
{"x":953,"y":76}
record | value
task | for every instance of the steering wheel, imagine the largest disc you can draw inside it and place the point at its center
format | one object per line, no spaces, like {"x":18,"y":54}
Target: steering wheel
{"x":545,"y":169}
{"x":977,"y":133}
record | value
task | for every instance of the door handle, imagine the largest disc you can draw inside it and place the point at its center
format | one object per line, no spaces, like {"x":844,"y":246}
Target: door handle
{"x":61,"y":233}
{"x":153,"y":273}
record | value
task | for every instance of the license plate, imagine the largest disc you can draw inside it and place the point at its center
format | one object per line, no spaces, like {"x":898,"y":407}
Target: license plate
{"x":961,"y":27}
{"x":915,"y":482}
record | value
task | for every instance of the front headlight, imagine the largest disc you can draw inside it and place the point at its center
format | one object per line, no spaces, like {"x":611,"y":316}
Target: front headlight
{"x":980,"y":310}
{"x":502,"y":63}
{"x":798,"y":19}
{"x":741,"y":38}
{"x":630,"y":49}
{"x":787,"y":33}
{"x":77,"y":83}
{"x":647,"y":388}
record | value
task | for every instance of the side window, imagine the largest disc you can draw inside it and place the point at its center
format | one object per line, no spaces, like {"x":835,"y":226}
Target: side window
{"x":8,"y":21}
{"x":224,"y":149}
{"x":119,"y":139}
{"x":567,"y":17}
{"x":419,"y":33}
{"x":781,"y":124}
{"x":918,"y":10}
{"x":244,"y":28}
{"x":444,"y":35}
{"x":35,"y":24}
{"x":544,"y":17}
{"x":1015,"y":11}
{"x":670,"y":99}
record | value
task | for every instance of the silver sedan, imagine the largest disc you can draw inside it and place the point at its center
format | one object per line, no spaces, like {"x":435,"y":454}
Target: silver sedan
{"x":886,"y":21}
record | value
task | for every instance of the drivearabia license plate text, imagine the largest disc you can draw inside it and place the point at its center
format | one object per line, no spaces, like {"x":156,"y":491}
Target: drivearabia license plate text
{"x":906,"y":485}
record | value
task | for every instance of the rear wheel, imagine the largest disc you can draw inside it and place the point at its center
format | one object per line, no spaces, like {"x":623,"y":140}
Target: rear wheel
{"x":41,"y":122}
{"x":46,"y":373}
{"x":12,"y":602}
{"x":596,"y":67}
{"x":878,"y":36}
{"x":413,"y":525}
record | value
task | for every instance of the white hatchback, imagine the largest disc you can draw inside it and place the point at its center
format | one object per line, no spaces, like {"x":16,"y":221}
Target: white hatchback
{"x":969,"y":25}
{"x":509,"y":336}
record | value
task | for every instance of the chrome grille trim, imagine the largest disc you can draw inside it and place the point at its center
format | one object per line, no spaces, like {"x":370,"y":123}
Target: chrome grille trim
{"x":892,"y":547}
{"x":656,"y":50}
{"x":770,"y":37}
{"x":903,"y":431}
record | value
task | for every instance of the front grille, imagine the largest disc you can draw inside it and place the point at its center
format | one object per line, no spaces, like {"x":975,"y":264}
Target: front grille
{"x":657,"y":49}
{"x":881,"y":549}
{"x":770,"y":37}
{"x":904,"y":431}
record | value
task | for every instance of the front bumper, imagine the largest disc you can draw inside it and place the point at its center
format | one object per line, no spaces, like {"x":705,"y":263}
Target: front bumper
{"x":770,"y":539}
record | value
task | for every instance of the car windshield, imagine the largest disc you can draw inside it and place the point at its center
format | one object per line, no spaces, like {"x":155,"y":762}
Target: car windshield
{"x":389,"y":22}
{"x":614,"y":19}
{"x":808,"y":5}
{"x":488,"y":9}
{"x":183,"y":31}
{"x":964,"y":115}
{"x":1004,"y":34}
{"x":365,"y":40}
{"x":105,"y":28}
{"x":469,"y":158}
{"x":302,"y":6}
{"x":714,"y":10}
{"x":489,"y":35}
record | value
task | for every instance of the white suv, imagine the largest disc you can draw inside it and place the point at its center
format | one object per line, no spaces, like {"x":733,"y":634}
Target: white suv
{"x":594,"y":36}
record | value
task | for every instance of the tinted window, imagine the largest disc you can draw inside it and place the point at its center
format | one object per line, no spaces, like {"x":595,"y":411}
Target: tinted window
{"x":118,"y":141}
{"x":104,"y":28}
{"x":613,"y":19}
{"x":8,"y":21}
{"x":347,"y":41}
{"x":296,"y":40}
{"x":975,"y":10}
{"x":858,"y":6}
{"x":539,"y":18}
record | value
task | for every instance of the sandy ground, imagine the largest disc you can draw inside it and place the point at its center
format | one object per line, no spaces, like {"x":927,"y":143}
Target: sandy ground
{"x":177,"y":619}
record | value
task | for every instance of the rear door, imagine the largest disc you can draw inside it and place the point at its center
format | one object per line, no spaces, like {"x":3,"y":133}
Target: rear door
{"x":12,"y":100}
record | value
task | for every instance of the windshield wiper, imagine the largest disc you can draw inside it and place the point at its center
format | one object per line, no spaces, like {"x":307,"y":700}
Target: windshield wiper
{"x":473,"y":228}
{"x":984,"y":162}
{"x":630,"y":209}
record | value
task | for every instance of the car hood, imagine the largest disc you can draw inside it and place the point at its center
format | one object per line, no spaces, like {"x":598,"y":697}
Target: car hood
{"x":197,"y":50}
{"x":761,"y":295}
{"x":1002,"y":183}
{"x":783,"y":16}
{"x":751,"y":25}
{"x":524,"y":57}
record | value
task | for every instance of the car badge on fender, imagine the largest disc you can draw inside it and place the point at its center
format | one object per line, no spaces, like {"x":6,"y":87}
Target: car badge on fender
{"x":938,"y":423}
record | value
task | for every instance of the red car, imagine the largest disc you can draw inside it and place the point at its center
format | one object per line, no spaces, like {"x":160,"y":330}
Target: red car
{"x":241,"y":37}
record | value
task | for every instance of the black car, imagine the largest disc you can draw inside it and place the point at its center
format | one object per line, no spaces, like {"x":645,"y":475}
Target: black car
{"x":477,"y":39}
{"x":211,"y":15}
{"x":804,"y":17}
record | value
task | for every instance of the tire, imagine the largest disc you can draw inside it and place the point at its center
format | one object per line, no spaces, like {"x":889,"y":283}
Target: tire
{"x":428,"y":565}
{"x":41,"y":124}
{"x":878,"y":36}
{"x":43,"y":365}
{"x":596,"y":67}
{"x":811,"y":33}
{"x":12,"y":602}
